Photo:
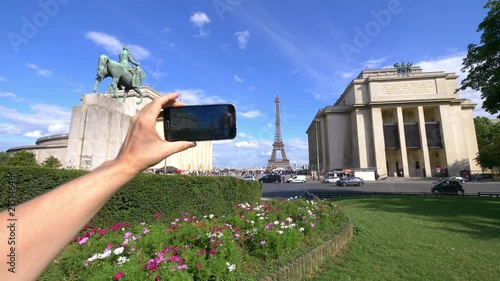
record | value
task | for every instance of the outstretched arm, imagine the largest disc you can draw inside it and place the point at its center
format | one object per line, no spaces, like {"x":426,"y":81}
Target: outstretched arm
{"x":46,"y":224}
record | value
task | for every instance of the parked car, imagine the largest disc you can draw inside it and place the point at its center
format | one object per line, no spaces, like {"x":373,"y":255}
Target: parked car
{"x":301,"y":179}
{"x":270,"y":178}
{"x":249,"y":178}
{"x":330,"y":180}
{"x":448,"y":187}
{"x":354,"y":181}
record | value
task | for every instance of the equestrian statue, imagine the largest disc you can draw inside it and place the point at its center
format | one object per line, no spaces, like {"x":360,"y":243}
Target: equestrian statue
{"x":124,"y":76}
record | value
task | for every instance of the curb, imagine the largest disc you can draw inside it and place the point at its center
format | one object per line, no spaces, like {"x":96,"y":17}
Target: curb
{"x":306,"y":265}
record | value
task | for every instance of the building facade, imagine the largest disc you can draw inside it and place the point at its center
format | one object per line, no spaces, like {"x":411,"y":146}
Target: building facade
{"x":412,"y":125}
{"x":97,"y":130}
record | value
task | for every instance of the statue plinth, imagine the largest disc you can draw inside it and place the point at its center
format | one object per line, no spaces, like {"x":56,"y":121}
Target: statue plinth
{"x":99,"y":126}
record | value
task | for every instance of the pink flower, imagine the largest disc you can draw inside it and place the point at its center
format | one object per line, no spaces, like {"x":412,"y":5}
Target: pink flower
{"x":312,"y":224}
{"x":102,"y":232}
{"x":83,"y":240}
{"x":118,"y":276}
{"x":127,"y":235}
{"x":198,"y":265}
{"x":181,"y":267}
{"x":143,"y":223}
{"x":263,"y":242}
{"x":145,"y":230}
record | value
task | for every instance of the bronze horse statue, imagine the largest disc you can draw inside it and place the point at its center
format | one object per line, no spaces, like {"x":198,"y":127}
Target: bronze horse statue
{"x":122,"y":77}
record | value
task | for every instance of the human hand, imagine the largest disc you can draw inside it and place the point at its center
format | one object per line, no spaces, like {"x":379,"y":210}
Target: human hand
{"x":144,"y":147}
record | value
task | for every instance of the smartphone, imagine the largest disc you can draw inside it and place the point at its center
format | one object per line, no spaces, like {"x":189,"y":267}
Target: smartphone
{"x":200,"y":122}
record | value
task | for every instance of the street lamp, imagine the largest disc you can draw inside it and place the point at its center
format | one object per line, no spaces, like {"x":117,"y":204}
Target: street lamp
{"x":316,"y":120}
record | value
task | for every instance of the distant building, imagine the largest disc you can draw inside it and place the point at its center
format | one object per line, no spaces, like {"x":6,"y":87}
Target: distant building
{"x":412,"y":125}
{"x":98,"y":129}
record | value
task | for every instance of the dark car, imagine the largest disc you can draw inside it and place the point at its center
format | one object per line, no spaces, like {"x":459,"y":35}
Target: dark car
{"x":448,"y":187}
{"x":355,"y":181}
{"x":270,"y":178}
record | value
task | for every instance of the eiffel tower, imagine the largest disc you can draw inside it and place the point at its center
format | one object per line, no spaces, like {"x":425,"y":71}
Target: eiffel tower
{"x":278,"y":144}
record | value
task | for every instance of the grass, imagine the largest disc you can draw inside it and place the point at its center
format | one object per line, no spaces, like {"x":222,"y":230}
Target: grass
{"x":420,"y":238}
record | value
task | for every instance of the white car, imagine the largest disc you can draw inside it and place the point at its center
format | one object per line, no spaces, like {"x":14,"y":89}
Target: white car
{"x":301,"y":179}
{"x":331,"y":180}
{"x":248,"y":178}
{"x":458,"y":178}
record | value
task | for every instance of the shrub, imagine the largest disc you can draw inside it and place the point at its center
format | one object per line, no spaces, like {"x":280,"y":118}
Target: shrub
{"x":145,"y":195}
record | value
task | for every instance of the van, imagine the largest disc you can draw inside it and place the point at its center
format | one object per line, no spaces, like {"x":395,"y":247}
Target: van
{"x":270,"y":178}
{"x":298,"y":178}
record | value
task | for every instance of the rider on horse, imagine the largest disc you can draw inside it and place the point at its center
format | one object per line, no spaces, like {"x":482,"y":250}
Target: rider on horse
{"x":125,"y":57}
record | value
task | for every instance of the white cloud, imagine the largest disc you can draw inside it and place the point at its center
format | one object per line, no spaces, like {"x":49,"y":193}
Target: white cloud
{"x":33,"y":134}
{"x":2,"y":78}
{"x":200,"y":19}
{"x":39,"y":71}
{"x":245,"y":144}
{"x":165,"y":30}
{"x":242,"y":37}
{"x":238,"y":79}
{"x":453,"y":63}
{"x":45,"y":118}
{"x":11,"y":96}
{"x":225,"y":46}
{"x":244,"y":135}
{"x":346,"y":74}
{"x":373,"y":63}
{"x":114,"y":46}
{"x":198,"y":96}
{"x":251,"y":114}
{"x":9,"y":129}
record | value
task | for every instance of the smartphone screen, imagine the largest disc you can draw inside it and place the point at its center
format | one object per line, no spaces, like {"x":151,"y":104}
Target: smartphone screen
{"x":200,"y":122}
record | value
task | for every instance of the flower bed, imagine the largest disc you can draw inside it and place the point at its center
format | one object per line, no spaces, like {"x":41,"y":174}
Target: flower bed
{"x":248,"y":244}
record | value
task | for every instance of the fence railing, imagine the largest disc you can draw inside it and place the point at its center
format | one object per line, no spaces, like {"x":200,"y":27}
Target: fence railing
{"x":329,"y":194}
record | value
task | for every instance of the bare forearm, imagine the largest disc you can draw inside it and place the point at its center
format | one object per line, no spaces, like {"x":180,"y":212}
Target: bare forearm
{"x":46,"y":224}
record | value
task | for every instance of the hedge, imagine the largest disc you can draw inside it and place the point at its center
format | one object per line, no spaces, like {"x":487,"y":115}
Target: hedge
{"x":170,"y":195}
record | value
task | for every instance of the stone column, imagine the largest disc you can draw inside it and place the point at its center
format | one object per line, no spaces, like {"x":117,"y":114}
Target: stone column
{"x":423,"y":142}
{"x":379,"y":141}
{"x":448,"y":138}
{"x":402,"y":141}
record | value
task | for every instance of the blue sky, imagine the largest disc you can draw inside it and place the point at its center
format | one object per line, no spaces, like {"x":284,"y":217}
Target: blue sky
{"x":236,"y":51}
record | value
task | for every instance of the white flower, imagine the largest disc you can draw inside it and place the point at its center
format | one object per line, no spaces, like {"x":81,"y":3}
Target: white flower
{"x":104,"y":255}
{"x":118,"y":251}
{"x":211,"y":216}
{"x":252,"y":222}
{"x":301,"y":229}
{"x":122,"y":260}
{"x":220,"y":235}
{"x":276,"y":222}
{"x":231,"y":267}
{"x":289,"y":219}
{"x":94,"y":257}
{"x":280,"y":232}
{"x":261,"y":218}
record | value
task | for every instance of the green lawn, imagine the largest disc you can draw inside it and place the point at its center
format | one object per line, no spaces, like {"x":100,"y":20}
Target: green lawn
{"x":420,"y":238}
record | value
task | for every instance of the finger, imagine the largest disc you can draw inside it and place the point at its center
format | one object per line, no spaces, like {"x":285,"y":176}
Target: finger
{"x":158,"y":103}
{"x":177,"y":146}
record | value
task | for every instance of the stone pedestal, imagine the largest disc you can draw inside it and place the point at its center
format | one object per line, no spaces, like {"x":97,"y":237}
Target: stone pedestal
{"x":97,"y":130}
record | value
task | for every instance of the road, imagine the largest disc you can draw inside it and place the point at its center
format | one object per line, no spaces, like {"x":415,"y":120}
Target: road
{"x":286,"y":190}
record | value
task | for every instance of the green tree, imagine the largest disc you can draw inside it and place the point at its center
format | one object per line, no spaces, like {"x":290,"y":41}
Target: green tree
{"x":488,"y":141}
{"x":22,"y":158}
{"x":52,"y":162}
{"x":4,"y":157}
{"x":483,"y":61}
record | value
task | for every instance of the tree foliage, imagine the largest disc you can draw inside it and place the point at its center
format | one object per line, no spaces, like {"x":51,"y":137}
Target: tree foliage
{"x":4,"y":158}
{"x":22,"y":158}
{"x":52,"y":162}
{"x":488,"y":141}
{"x":483,"y":61}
